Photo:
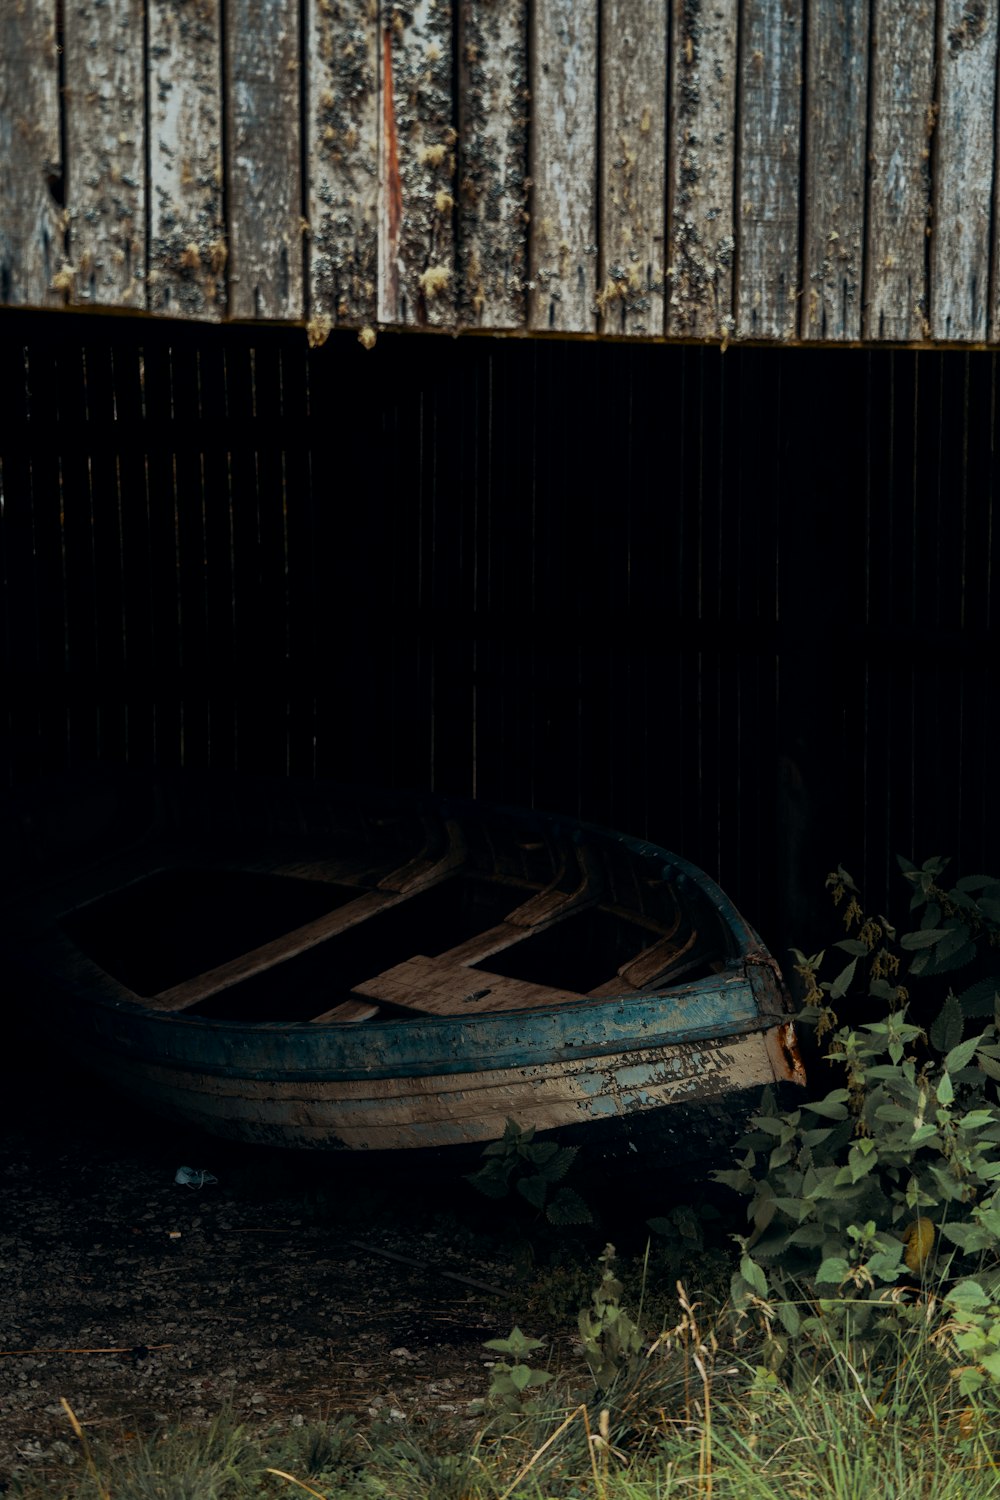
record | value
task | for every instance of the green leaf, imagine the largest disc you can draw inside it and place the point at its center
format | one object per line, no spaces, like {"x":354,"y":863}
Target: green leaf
{"x":946,"y":1031}
{"x":533,"y":1189}
{"x":753,"y":1275}
{"x":969,"y":1237}
{"x":520,"y":1377}
{"x":975,"y":882}
{"x":989,"y":1065}
{"x":833,"y":1271}
{"x":944,"y":963}
{"x":853,"y":945}
{"x":979,"y":999}
{"x":959,"y":1057}
{"x":904,"y":864}
{"x":924,"y":939}
{"x":833,"y":1107}
{"x":843,"y":981}
{"x":567,"y":1207}
{"x":788,"y":1313}
{"x":559,"y":1163}
{"x":516,"y":1342}
{"x":945,"y":1090}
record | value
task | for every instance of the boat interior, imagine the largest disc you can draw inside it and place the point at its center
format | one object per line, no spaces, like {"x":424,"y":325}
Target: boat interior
{"x":348,"y":912}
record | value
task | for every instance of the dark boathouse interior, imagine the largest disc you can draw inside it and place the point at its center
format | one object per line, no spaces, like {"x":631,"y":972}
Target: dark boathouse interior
{"x":740,"y":603}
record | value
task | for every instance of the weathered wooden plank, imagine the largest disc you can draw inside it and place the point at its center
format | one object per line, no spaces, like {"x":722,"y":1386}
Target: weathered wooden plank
{"x":902,"y":123}
{"x":702,"y":165}
{"x":493,"y":163}
{"x":342,"y":126}
{"x":433,"y":986}
{"x":563,"y":253}
{"x":187,"y":241}
{"x":963,"y":169}
{"x":767,"y":190}
{"x":634,"y":39}
{"x":106,"y":151}
{"x":416,"y":251}
{"x":33,"y":269}
{"x":263,"y":159}
{"x":837,"y":103}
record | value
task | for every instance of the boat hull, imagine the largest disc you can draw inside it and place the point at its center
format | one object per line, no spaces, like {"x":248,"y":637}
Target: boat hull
{"x":689,"y":1056}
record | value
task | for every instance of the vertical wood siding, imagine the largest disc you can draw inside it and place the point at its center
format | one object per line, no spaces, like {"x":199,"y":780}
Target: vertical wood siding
{"x":188,"y":247}
{"x":106,"y":144}
{"x":564,"y":116}
{"x":780,"y":171}
{"x":464,"y":595}
{"x":702,"y":165}
{"x":342,"y":144}
{"x":33,"y":262}
{"x":902,"y":112}
{"x":836,"y":91}
{"x":493,"y":184}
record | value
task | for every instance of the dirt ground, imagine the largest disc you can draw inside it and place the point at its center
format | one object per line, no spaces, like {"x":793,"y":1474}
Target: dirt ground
{"x":140,"y":1300}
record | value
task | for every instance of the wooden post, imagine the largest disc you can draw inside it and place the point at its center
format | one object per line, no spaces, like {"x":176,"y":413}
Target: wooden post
{"x":342,"y":125}
{"x":835,"y":146}
{"x":187,"y":241}
{"x":634,"y":36}
{"x":34,"y":268}
{"x":767,"y":192}
{"x":493,"y":163}
{"x":265,"y":179}
{"x":563,"y":284}
{"x":702,"y":160}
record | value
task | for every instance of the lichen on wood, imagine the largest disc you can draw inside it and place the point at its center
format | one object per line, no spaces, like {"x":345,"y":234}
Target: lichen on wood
{"x":563,"y":269}
{"x":32,"y":174}
{"x":962,"y":215}
{"x":264,"y":159}
{"x":106,"y":150}
{"x":633,"y":79}
{"x":837,"y":95}
{"x":343,"y":159}
{"x":187,"y":240}
{"x":416,"y":261}
{"x":767,"y":186}
{"x":903,"y":114}
{"x":701,"y":167}
{"x":492,"y":163}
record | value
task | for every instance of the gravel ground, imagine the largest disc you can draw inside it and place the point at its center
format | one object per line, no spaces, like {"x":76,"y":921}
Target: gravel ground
{"x":142,"y":1301}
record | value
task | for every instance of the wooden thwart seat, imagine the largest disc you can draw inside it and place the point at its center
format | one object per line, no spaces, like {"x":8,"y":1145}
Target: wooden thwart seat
{"x":438,"y":987}
{"x":418,"y":875}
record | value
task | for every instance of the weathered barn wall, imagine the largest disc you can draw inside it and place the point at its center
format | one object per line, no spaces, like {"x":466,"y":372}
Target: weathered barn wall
{"x":600,"y":579}
{"x":773,"y":170}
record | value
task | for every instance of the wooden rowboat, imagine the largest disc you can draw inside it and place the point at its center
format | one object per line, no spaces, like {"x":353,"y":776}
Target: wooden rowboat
{"x":302,"y":965}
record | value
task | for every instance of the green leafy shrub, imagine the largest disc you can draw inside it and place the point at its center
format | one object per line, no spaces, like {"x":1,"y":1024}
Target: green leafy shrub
{"x":612,"y":1341}
{"x":513,"y":1386}
{"x":886,"y":1190}
{"x":535,"y":1170}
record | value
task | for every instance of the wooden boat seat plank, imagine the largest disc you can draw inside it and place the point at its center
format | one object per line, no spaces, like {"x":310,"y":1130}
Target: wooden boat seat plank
{"x":437,"y":987}
{"x":348,"y":1012}
{"x":415,"y":876}
{"x":288,"y":945}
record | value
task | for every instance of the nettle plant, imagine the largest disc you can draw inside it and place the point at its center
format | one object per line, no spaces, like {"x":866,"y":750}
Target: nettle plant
{"x":881,"y":1201}
{"x":533,"y":1169}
